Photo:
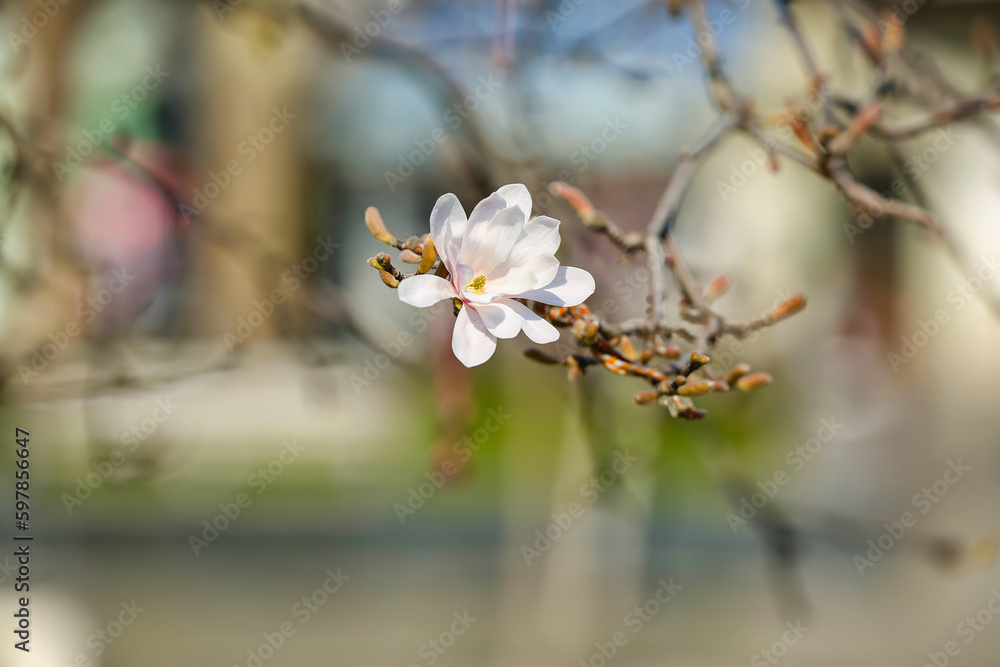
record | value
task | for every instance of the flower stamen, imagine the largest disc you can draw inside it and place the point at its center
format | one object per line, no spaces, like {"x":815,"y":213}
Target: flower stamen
{"x":477,"y":285}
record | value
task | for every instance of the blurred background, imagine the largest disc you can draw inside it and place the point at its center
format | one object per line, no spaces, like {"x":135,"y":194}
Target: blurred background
{"x":246,"y":451}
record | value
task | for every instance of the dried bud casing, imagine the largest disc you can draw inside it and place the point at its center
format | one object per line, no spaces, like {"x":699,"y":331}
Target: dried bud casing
{"x":373,"y":220}
{"x":625,"y":344}
{"x":585,"y":331}
{"x":753,"y":381}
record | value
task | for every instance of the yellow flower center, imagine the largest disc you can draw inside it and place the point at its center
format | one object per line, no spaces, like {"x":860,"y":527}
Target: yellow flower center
{"x":477,"y":285}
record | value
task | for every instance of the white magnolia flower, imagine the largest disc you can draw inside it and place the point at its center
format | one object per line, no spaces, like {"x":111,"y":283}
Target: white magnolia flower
{"x":493,"y":257}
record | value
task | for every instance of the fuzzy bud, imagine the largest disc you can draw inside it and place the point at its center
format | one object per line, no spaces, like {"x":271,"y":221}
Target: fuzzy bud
{"x":786,"y":308}
{"x":645,"y":397}
{"x":373,"y":220}
{"x":388,"y":279}
{"x":697,"y":388}
{"x":429,"y":256}
{"x":737,"y":371}
{"x":410,"y":257}
{"x":717,"y":288}
{"x":753,"y":381}
{"x":541,"y":357}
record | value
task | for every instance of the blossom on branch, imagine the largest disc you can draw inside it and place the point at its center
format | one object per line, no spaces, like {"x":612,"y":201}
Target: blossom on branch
{"x":495,"y":257}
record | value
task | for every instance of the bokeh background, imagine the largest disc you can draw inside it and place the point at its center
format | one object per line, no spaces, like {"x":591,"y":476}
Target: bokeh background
{"x":169,"y":166}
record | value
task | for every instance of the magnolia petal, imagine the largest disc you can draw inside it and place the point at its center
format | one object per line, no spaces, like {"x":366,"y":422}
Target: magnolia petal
{"x":540,"y":237}
{"x":487,"y":208}
{"x":535,"y":273}
{"x":448,"y":225}
{"x":516,"y":194}
{"x":500,"y":319}
{"x":489,"y":243}
{"x":470,"y":341}
{"x":423,"y":291}
{"x":571,"y":287}
{"x":537,"y":328}
{"x":487,"y":298}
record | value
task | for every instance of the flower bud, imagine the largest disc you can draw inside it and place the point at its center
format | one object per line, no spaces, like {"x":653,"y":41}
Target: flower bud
{"x":388,"y":279}
{"x":753,"y":381}
{"x":895,"y":33}
{"x":738,"y":371}
{"x":786,"y":308}
{"x":697,"y":361}
{"x":574,"y":197}
{"x":871,"y":38}
{"x":413,"y":242}
{"x":697,"y":388}
{"x":645,"y":397}
{"x":429,"y":256}
{"x":541,"y":357}
{"x":410,"y":257}
{"x":373,"y":220}
{"x":718,"y":287}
